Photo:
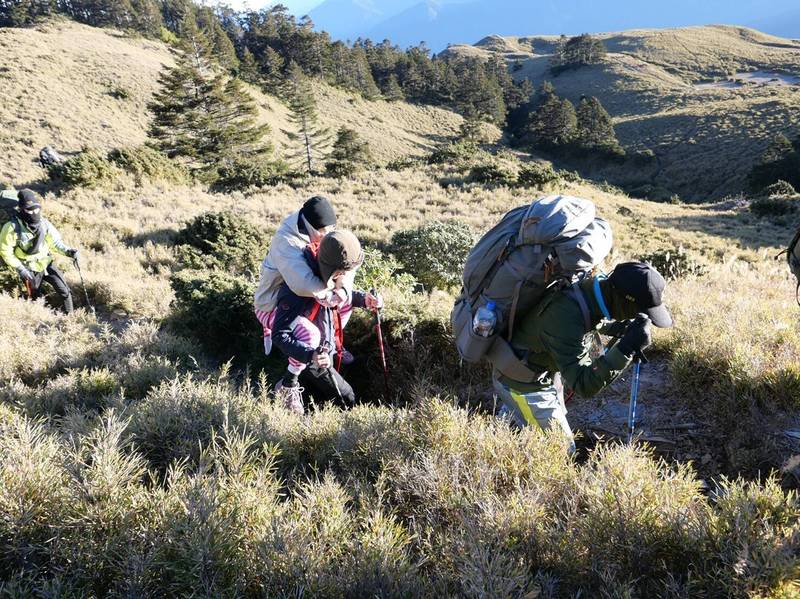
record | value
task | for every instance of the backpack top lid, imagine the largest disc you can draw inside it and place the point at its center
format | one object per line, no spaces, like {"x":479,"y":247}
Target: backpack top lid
{"x":555,"y":218}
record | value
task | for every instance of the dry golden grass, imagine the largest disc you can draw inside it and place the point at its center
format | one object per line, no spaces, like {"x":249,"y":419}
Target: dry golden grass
{"x":55,"y":82}
{"x":706,"y":139}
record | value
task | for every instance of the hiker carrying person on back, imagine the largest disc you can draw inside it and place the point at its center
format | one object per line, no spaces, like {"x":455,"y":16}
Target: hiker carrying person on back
{"x":554,"y":340}
{"x":285,"y":263}
{"x":27,"y":244}
{"x":310,"y":332}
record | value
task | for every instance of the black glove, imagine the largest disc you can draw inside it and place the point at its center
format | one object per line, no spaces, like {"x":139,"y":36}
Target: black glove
{"x":616,"y":329}
{"x":25,"y":274}
{"x":637,"y":338}
{"x":72,"y":253}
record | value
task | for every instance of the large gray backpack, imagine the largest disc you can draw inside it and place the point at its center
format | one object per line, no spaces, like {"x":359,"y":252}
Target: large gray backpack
{"x":555,"y":240}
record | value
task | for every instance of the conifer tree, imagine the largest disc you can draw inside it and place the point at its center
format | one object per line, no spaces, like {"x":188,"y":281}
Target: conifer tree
{"x":554,"y":122}
{"x":312,"y":139}
{"x":392,"y":92}
{"x":577,"y":51}
{"x":349,"y":154}
{"x":595,"y":131}
{"x":202,"y":115}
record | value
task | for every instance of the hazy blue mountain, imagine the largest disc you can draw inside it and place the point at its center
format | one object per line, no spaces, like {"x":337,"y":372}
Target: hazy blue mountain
{"x":349,"y":19}
{"x":439,"y":22}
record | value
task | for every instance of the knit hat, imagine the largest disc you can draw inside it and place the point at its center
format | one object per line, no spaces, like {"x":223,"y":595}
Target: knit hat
{"x":642,"y":284}
{"x":30,"y":208}
{"x":339,"y":250}
{"x":318,"y":212}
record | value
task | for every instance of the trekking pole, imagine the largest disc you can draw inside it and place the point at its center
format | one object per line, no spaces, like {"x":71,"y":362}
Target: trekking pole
{"x":29,"y":288}
{"x":379,"y":331}
{"x":85,"y":294}
{"x":638,"y":360}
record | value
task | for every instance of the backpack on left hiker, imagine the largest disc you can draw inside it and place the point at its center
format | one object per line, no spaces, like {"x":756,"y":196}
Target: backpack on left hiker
{"x":9,"y":200}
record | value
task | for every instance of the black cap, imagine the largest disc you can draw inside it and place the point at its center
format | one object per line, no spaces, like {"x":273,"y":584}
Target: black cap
{"x":28,"y":199}
{"x":318,"y":212}
{"x":643,"y":285}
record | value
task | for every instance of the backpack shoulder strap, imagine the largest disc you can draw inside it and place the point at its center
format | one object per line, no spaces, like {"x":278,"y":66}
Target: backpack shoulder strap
{"x":576,"y":294}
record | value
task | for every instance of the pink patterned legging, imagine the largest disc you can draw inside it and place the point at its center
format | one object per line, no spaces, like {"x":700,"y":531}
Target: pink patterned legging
{"x":303,"y":330}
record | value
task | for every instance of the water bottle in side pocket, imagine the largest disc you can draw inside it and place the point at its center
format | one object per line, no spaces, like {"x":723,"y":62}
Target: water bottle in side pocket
{"x":485,"y":320}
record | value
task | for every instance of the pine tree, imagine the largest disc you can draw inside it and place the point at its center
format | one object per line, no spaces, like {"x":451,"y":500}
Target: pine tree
{"x":595,"y":130}
{"x":576,"y":52}
{"x":392,"y":91}
{"x":201,"y":115}
{"x":248,"y":68}
{"x":312,"y":139}
{"x":553,"y":123}
{"x":349,"y":154}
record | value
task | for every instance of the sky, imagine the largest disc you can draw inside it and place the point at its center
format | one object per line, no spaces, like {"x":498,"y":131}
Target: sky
{"x":296,"y":7}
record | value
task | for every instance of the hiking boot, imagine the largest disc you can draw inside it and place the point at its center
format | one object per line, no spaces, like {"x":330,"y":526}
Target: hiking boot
{"x":347,"y":357}
{"x":290,"y":397}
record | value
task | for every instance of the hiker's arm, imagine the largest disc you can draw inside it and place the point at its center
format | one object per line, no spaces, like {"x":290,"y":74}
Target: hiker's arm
{"x":8,"y":241}
{"x":296,"y":272}
{"x":585,"y":376}
{"x":54,"y":241}
{"x":284,"y":339}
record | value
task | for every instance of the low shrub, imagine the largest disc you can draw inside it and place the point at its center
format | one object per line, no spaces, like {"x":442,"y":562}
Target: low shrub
{"x":119,"y":93}
{"x":435,"y":252}
{"x":86,"y":169}
{"x":146,"y":163}
{"x":537,"y":174}
{"x":223,"y":241}
{"x":492,"y":174}
{"x":774,"y":206}
{"x":216,"y":308}
{"x":455,"y":153}
{"x":246,"y":172}
{"x":779,"y":188}
{"x":674,"y":263}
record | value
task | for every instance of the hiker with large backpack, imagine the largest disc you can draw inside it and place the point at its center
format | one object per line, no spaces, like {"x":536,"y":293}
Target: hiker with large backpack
{"x":285,"y":263}
{"x":310,"y":333}
{"x":532,"y":294}
{"x":27,"y":244}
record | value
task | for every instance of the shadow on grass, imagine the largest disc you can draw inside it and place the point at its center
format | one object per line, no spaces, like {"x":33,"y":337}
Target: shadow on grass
{"x":749,"y":231}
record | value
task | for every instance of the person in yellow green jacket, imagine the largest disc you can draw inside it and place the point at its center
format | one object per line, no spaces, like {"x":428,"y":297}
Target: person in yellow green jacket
{"x":27,"y":244}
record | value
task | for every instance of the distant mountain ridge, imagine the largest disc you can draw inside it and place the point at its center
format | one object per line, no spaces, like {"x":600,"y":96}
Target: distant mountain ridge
{"x":442,"y":22}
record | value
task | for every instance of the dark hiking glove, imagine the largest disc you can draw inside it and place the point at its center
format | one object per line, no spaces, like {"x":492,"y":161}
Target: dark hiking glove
{"x":25,"y":274}
{"x":637,"y":338}
{"x":72,"y":253}
{"x":615,"y":329}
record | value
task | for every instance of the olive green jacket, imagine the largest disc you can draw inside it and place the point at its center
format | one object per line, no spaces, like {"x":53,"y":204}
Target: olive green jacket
{"x":553,"y":338}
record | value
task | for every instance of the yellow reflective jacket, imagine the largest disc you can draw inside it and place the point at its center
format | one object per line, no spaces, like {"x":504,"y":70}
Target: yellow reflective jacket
{"x":17,"y":241}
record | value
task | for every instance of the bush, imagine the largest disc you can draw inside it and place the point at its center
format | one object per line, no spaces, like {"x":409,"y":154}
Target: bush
{"x":222,"y":241}
{"x":119,"y":93}
{"x":674,"y":263}
{"x":216,"y":308}
{"x":492,"y":174}
{"x":774,"y":206}
{"x":245,"y":172}
{"x":537,"y":174}
{"x":456,"y":153}
{"x":779,"y":188}
{"x":350,"y":154}
{"x":85,"y":169}
{"x":435,"y":252}
{"x":144,"y":162}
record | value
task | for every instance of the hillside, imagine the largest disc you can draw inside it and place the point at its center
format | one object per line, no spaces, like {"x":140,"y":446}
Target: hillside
{"x":443,"y":22}
{"x":58,"y":82}
{"x":668,"y":92}
{"x":137,"y":461}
